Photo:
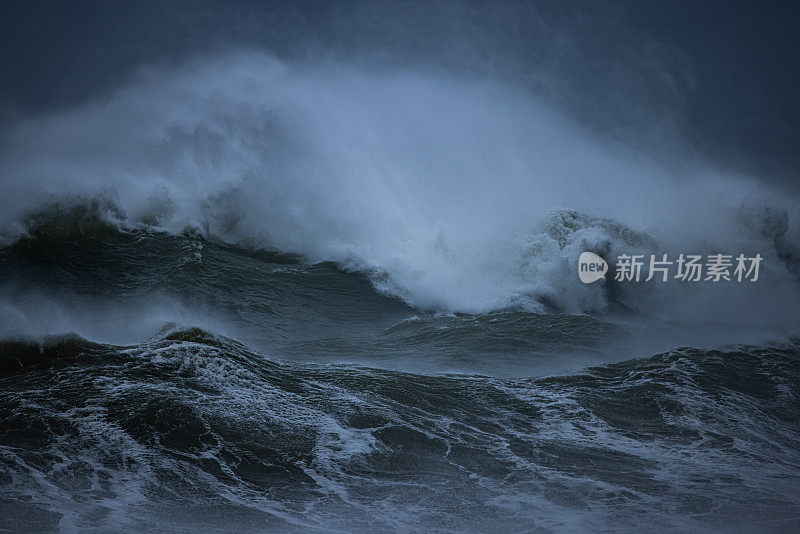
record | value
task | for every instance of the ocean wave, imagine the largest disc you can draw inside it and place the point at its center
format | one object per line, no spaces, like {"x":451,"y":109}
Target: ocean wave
{"x":538,"y":269}
{"x":100,"y":435}
{"x":444,"y":191}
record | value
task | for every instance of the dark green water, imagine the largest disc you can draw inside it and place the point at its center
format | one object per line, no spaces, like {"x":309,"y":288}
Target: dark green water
{"x":240,"y":390}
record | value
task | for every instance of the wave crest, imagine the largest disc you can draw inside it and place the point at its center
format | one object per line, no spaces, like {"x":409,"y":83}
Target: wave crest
{"x":438,"y":187}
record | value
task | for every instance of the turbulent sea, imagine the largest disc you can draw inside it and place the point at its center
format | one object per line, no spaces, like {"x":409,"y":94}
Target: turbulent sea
{"x":284,"y":394}
{"x":252,"y":294}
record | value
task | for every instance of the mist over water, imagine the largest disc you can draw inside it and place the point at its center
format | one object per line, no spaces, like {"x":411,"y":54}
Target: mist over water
{"x":451,"y":192}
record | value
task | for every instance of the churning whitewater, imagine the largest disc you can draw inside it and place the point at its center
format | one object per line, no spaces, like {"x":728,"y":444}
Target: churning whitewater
{"x":254,"y":294}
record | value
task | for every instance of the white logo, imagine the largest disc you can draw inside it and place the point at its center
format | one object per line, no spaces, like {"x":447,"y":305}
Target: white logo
{"x":591,"y":267}
{"x":689,"y":267}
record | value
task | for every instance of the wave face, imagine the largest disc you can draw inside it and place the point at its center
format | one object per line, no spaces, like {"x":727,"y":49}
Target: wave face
{"x":193,"y":431}
{"x":78,"y":273}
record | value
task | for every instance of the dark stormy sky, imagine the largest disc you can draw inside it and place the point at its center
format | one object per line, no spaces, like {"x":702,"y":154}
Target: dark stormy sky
{"x":718,"y":78}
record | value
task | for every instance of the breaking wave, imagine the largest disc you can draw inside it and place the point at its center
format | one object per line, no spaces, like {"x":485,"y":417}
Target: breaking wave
{"x":445,"y":191}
